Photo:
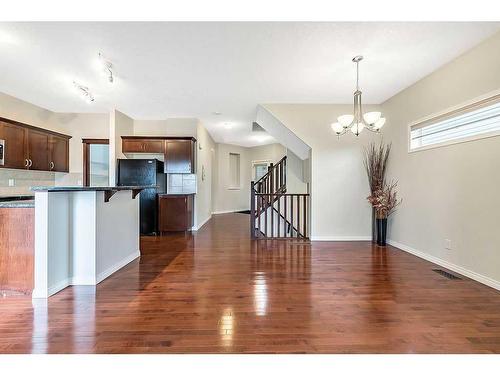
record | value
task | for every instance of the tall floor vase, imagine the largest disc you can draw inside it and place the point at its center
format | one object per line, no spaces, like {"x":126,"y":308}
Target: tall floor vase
{"x":382,"y":232}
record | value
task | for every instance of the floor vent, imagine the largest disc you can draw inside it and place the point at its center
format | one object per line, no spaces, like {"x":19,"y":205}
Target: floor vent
{"x":447,"y":274}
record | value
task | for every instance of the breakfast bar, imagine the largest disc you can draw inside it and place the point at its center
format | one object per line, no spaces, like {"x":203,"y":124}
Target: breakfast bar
{"x":83,"y":235}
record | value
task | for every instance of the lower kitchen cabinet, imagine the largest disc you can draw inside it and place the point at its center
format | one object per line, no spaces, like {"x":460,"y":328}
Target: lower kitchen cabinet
{"x":175,"y":212}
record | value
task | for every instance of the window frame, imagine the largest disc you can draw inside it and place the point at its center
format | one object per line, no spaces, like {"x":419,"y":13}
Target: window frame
{"x":470,"y":105}
{"x":86,"y":142}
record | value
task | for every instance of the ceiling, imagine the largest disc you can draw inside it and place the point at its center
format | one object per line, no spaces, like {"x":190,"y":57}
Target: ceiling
{"x":191,"y":70}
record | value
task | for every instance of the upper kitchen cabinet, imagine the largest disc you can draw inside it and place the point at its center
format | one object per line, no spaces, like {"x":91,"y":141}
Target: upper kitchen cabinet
{"x":58,"y":153}
{"x":29,"y":147}
{"x":38,"y":150}
{"x":14,"y":147}
{"x":179,"y":152}
{"x":179,"y":156}
{"x":142,"y":145}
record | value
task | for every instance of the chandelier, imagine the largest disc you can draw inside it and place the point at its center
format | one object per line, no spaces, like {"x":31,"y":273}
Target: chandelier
{"x":373,"y":121}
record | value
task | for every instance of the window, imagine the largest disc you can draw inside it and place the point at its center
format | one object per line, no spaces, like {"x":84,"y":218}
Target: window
{"x":234,"y":171}
{"x":478,"y":120}
{"x":260,"y":169}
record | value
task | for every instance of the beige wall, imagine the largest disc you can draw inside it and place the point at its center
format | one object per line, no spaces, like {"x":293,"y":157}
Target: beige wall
{"x":205,"y":159}
{"x":339,"y":187}
{"x":449,"y":192}
{"x":181,"y":127}
{"x":227,"y":199}
{"x":119,"y":124}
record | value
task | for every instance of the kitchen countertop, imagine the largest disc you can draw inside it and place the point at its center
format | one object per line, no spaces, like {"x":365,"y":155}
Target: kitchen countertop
{"x":89,"y":188}
{"x":14,"y":202}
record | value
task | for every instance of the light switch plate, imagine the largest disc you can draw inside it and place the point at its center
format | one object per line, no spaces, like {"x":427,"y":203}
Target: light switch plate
{"x":11,"y":182}
{"x":447,"y":244}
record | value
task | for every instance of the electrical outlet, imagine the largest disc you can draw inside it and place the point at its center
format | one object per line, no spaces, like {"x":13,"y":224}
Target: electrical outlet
{"x":11,"y":182}
{"x":447,"y":244}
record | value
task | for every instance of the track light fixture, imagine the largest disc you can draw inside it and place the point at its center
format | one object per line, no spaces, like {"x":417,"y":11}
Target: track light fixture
{"x":84,"y":92}
{"x":106,"y":67}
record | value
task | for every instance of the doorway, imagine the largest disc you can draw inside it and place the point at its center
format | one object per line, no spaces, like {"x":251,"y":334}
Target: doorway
{"x":95,"y":162}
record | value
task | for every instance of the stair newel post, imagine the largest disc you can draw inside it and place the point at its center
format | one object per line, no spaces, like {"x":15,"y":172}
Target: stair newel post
{"x":252,"y":209}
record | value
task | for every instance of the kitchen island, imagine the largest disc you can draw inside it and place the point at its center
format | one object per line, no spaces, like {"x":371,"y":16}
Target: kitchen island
{"x":83,"y":234}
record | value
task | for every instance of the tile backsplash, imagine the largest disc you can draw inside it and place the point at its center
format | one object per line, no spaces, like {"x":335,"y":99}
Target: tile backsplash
{"x":21,"y":180}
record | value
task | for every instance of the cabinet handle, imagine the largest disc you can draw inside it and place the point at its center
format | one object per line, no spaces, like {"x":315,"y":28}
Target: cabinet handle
{"x":52,"y":165}
{"x":30,"y":163}
{"x":26,"y":162}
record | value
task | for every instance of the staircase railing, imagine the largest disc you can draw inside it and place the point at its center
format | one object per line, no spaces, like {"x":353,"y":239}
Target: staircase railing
{"x":273,"y":212}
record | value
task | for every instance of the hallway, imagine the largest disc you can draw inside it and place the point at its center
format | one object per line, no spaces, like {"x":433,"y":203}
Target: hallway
{"x":218,"y":291}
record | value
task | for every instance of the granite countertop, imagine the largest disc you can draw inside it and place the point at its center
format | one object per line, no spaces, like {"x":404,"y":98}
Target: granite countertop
{"x":25,"y":201}
{"x":90,"y":188}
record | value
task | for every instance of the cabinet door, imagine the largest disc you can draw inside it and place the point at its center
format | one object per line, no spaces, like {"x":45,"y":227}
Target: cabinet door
{"x":59,"y":154}
{"x":154,"y":146}
{"x":179,"y":155}
{"x":132,"y":145}
{"x":15,"y":153}
{"x":173,"y":213}
{"x":38,"y":150}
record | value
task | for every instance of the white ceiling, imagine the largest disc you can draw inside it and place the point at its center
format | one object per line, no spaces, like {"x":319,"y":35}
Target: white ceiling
{"x":194,"y":69}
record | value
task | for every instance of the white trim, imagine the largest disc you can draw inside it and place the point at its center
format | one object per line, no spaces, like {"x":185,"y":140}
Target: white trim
{"x":228,"y":212}
{"x":57,"y":287}
{"x":341,"y":238}
{"x":195,"y":228}
{"x":443,"y":263}
{"x":115,"y":267}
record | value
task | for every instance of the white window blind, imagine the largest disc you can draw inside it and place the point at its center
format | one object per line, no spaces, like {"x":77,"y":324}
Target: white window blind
{"x":477,"y":120}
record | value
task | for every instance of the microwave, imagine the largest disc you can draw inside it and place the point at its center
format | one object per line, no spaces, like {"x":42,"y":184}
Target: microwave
{"x":2,"y":152}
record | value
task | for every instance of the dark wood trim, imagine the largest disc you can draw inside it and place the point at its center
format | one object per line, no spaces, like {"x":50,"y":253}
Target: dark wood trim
{"x":14,"y":122}
{"x":158,"y":137}
{"x":108,"y":194}
{"x":95,"y":141}
{"x":86,"y":153}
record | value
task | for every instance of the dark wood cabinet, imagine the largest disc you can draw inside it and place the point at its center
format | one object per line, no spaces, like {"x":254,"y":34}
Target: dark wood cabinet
{"x":29,"y":147}
{"x":144,"y":145}
{"x":179,"y":152}
{"x":179,"y":156}
{"x":58,"y":154}
{"x":38,"y":150}
{"x":15,"y":145}
{"x":175,"y":212}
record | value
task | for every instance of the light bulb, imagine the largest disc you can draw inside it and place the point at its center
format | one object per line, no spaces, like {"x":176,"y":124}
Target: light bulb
{"x":337,"y":128}
{"x":345,"y":120}
{"x":380,"y":122}
{"x":357,"y":128}
{"x":372,"y":117}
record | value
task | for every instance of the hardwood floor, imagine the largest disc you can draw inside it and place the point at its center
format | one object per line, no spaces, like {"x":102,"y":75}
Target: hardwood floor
{"x":217,"y":291}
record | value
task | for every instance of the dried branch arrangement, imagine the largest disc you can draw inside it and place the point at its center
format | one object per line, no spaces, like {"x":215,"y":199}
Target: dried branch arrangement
{"x":385,"y":200}
{"x":375,"y":161}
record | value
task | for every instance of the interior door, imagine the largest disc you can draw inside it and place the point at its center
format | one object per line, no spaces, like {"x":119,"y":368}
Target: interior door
{"x":38,"y":150}
{"x":15,"y":145}
{"x":59,"y":156}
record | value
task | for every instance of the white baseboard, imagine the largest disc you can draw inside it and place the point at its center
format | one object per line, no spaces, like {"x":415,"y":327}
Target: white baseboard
{"x":226,"y":212}
{"x":57,"y":287}
{"x":115,"y":267}
{"x":341,"y":238}
{"x":202,"y":224}
{"x":451,"y":266}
